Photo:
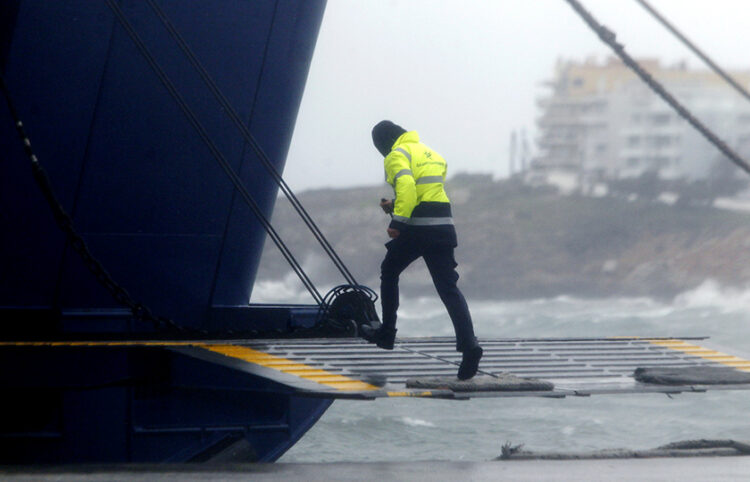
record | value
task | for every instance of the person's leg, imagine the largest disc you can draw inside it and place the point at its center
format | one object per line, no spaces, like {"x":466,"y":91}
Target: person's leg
{"x":400,"y":255}
{"x":442,"y":265}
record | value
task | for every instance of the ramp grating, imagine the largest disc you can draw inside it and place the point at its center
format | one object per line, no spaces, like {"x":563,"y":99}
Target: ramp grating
{"x":352,"y":368}
{"x":576,"y":366}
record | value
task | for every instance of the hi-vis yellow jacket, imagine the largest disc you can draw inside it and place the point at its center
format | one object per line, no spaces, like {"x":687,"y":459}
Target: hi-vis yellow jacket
{"x":417,"y":174}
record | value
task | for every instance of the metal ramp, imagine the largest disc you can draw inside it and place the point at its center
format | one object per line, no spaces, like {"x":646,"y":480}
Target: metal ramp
{"x":354,"y":369}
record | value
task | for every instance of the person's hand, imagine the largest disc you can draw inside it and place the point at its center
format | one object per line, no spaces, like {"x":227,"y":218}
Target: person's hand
{"x":386,"y":206}
{"x":393,"y":233}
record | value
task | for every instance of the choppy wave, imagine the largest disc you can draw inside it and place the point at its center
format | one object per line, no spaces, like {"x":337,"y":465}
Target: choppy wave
{"x":290,"y":289}
{"x":417,"y":422}
{"x":278,"y":291}
{"x":709,"y":309}
{"x":405,"y":429}
{"x":710,"y":294}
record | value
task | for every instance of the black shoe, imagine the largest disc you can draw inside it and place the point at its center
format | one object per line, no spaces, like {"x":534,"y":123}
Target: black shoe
{"x":383,"y":337}
{"x":470,"y":363}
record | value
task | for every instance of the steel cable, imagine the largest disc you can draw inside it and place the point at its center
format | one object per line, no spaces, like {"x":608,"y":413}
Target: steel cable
{"x":65,"y":223}
{"x":234,"y":178}
{"x":250,"y":139}
{"x":609,"y":38}
{"x":719,"y":71}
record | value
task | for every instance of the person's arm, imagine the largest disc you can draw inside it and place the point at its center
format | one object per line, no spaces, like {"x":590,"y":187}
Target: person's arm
{"x":399,"y":175}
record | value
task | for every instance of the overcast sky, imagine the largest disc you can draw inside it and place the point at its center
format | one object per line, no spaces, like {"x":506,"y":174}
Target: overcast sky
{"x":465,"y":74}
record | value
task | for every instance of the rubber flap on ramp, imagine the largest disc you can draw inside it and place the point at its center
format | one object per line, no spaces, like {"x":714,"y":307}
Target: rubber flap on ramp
{"x":482,"y":383}
{"x":700,"y":375}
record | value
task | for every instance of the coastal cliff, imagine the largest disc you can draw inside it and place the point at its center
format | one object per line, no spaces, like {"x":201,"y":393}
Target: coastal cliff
{"x":520,"y":242}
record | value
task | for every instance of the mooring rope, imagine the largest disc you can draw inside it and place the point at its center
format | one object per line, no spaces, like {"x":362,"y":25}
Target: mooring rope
{"x":609,"y":38}
{"x":680,"y":36}
{"x":250,"y":139}
{"x":234,"y":178}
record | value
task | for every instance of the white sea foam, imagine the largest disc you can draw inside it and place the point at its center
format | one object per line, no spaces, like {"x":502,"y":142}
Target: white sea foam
{"x":287,"y":290}
{"x":420,"y":308}
{"x":710,"y":294}
{"x":416,"y":422}
{"x":290,"y":289}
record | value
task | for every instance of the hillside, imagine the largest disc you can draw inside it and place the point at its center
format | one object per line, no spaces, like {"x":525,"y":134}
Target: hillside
{"x":518,"y":242}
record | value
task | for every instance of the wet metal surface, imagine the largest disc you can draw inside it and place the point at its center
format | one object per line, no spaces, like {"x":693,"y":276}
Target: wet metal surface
{"x":352,"y":368}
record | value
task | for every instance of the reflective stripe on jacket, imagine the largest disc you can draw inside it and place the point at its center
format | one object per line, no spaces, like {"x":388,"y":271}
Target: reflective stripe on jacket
{"x":417,"y":174}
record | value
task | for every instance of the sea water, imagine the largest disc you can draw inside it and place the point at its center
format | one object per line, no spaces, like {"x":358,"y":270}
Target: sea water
{"x":476,"y":430}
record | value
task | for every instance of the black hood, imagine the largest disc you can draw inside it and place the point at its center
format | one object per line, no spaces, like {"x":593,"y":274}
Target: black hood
{"x":384,"y":135}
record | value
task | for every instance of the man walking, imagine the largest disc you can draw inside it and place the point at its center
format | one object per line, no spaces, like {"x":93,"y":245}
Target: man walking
{"x":421,"y":226}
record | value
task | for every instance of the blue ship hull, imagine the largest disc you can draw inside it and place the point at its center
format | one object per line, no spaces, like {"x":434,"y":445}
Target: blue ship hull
{"x":157,"y":211}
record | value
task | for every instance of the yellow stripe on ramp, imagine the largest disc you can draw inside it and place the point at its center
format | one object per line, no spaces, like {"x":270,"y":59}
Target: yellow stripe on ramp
{"x":699,"y":351}
{"x":412,"y":394}
{"x":339,"y":382}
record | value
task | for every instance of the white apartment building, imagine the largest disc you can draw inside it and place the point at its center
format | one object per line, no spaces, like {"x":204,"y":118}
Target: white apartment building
{"x":599,"y":121}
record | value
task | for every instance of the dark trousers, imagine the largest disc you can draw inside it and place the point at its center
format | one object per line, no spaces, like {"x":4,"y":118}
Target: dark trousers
{"x":442,"y":265}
